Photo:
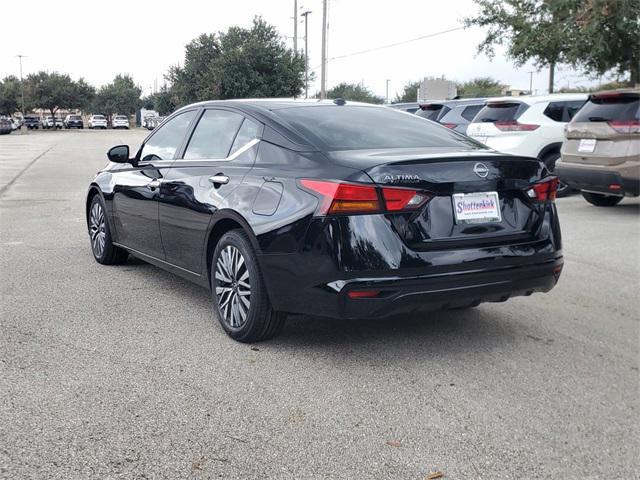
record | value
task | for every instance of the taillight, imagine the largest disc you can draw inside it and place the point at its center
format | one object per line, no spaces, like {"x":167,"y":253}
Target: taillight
{"x":450,"y":125}
{"x":545,"y":190}
{"x":625,"y":126}
{"x":348,"y":198}
{"x":515,"y":126}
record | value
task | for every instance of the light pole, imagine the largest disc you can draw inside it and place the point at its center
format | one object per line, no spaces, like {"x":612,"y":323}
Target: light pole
{"x":21,"y":84}
{"x":388,"y":90}
{"x":530,"y":83}
{"x":323,"y":71}
{"x":306,"y":53}
{"x":295,"y":26}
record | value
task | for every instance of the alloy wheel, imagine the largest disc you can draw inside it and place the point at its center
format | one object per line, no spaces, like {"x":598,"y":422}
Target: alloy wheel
{"x":233,"y":287}
{"x":97,"y":229}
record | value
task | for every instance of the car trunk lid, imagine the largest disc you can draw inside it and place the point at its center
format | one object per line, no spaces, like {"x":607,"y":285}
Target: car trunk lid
{"x":450,"y":178}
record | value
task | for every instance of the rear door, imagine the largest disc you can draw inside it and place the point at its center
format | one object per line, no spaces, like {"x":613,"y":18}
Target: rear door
{"x":137,"y":189}
{"x":216,"y":158}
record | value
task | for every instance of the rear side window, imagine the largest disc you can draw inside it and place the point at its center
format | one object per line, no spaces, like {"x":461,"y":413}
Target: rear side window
{"x":164,"y":143}
{"x":248,"y":131}
{"x":562,"y":111}
{"x":604,"y":109}
{"x":213,"y":135}
{"x":354,"y":127}
{"x":500,"y":112}
{"x":471,"y":111}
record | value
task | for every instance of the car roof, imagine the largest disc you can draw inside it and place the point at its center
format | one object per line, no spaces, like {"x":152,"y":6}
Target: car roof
{"x":533,"y":99}
{"x":271,"y":104}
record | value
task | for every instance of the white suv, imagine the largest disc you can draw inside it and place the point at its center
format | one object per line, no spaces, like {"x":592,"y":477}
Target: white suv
{"x":527,"y":126}
{"x":97,"y":121}
{"x":120,"y":121}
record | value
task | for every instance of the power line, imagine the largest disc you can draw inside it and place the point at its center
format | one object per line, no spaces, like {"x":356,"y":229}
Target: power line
{"x":390,"y":45}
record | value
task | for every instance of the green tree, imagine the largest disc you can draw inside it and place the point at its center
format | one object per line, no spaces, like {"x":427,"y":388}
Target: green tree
{"x":480,"y":87}
{"x":9,"y":95}
{"x":122,"y":96}
{"x":595,"y":35}
{"x":607,"y":38}
{"x":354,"y":92}
{"x":409,"y":92}
{"x":239,"y":63}
{"x":164,"y":102}
{"x":530,"y":29}
{"x":197,"y":79}
{"x":55,"y":91}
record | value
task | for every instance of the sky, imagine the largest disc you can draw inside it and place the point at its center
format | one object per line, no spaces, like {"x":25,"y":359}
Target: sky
{"x":97,"y":40}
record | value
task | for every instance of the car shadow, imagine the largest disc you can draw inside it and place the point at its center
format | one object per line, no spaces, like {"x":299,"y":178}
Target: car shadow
{"x":450,"y":333}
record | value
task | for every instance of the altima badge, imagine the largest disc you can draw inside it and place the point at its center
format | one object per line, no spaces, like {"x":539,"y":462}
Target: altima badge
{"x":481,"y":170}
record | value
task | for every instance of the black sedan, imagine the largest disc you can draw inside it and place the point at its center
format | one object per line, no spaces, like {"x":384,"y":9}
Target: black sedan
{"x":326,"y":208}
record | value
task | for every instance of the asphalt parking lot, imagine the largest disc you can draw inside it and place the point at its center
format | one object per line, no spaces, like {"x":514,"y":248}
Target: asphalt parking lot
{"x":122,"y":372}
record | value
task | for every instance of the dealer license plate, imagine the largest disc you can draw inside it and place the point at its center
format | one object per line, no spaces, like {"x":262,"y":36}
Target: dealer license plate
{"x":481,"y":207}
{"x":587,"y":145}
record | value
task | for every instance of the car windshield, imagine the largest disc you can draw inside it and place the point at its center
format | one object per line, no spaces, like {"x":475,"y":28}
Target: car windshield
{"x":608,"y":108}
{"x":98,"y":117}
{"x":121,"y":117}
{"x":74,"y":117}
{"x":360,"y":127}
{"x":500,"y":112}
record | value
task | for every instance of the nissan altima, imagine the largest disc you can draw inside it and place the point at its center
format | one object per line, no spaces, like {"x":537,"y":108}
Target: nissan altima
{"x":326,"y":208}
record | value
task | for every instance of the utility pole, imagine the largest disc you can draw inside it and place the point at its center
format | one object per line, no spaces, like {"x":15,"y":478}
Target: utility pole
{"x":295,"y":26}
{"x":21,"y":84}
{"x":323,"y":71}
{"x":306,"y":53}
{"x":530,"y":82}
{"x":388,"y":90}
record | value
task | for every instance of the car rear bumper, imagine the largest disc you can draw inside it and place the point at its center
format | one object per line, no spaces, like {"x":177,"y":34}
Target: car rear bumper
{"x":335,"y":260}
{"x":624,"y":180}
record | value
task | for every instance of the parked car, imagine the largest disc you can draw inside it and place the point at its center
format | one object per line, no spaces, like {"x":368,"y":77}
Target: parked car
{"x":120,"y":121}
{"x":433,"y":109}
{"x":48,"y":123}
{"x":601,"y":154}
{"x":151,"y":122}
{"x":455,"y":114}
{"x":32,"y":122}
{"x":97,"y":121}
{"x":410,"y":107}
{"x":334,"y":209}
{"x":16,"y":123}
{"x":527,"y":126}
{"x":6,"y":126}
{"x":59,"y":123}
{"x":73,"y":121}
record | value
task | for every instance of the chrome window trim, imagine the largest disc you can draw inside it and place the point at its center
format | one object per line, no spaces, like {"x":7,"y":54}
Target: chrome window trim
{"x":228,"y":158}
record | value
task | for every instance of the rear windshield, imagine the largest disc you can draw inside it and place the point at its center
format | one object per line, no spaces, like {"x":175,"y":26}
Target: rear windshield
{"x":98,"y":117}
{"x":432,"y":112}
{"x":610,"y":108}
{"x":121,"y":117}
{"x":355,"y":127}
{"x":500,"y":112}
{"x":75,"y":117}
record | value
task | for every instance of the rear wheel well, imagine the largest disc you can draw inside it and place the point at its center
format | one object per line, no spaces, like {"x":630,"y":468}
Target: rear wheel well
{"x":219,"y":229}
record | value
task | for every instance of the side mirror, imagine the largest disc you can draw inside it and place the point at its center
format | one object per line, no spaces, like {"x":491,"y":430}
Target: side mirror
{"x":119,"y":154}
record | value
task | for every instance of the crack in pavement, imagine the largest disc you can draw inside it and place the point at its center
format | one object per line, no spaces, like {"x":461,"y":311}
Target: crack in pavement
{"x":6,"y":187}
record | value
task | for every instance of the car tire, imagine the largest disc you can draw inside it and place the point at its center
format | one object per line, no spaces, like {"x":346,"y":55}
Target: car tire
{"x":601,"y":200}
{"x":103,"y":249}
{"x":241,"y":301}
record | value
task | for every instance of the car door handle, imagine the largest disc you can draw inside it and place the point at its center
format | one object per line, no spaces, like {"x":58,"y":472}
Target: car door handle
{"x":152,"y":185}
{"x":219,"y":179}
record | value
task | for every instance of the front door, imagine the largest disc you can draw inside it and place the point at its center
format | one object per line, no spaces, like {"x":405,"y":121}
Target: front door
{"x":215,"y":161}
{"x":137,"y":189}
